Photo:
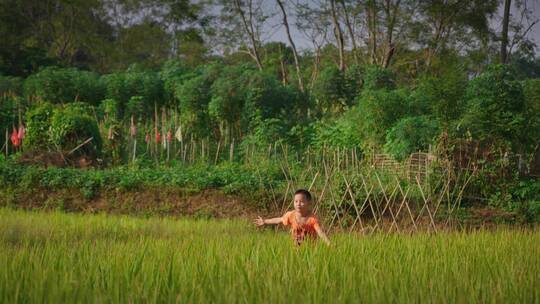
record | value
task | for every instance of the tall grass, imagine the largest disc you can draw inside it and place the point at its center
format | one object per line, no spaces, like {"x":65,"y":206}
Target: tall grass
{"x":68,"y":258}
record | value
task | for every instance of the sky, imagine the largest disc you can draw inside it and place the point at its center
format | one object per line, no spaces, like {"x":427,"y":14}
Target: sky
{"x":303,"y":43}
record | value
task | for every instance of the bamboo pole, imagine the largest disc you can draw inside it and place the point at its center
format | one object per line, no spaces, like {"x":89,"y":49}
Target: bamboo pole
{"x":231,"y":151}
{"x":217,"y":151}
{"x":7,"y":142}
{"x":134,"y":149}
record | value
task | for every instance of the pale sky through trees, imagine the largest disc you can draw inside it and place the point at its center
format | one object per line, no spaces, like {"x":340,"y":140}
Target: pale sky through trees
{"x":303,"y":43}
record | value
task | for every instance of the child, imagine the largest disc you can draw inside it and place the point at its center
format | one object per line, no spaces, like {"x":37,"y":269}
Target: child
{"x":303,"y":223}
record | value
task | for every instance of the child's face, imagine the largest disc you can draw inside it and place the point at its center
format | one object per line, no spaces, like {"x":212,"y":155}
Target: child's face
{"x":301,"y":203}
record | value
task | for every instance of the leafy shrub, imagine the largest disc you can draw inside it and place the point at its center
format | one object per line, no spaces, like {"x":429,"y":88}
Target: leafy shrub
{"x":265,"y":132}
{"x":11,"y":85}
{"x":441,"y":97}
{"x":354,"y":82}
{"x":110,"y":109}
{"x":531,"y":90}
{"x":495,"y":109}
{"x":409,"y":135}
{"x":228,"y":95}
{"x":265,"y":97}
{"x":38,"y":122}
{"x":60,"y":85}
{"x":378,"y":111}
{"x":341,"y":132}
{"x":70,"y":126}
{"x":137,"y":107}
{"x":527,"y":194}
{"x":122,"y":86}
{"x":194,"y":96}
{"x":8,"y":114}
{"x":171,"y":74}
{"x":377,"y":78}
{"x":329,"y":90}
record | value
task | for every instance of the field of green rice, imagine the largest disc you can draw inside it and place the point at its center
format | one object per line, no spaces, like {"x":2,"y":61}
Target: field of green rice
{"x":76,"y":258}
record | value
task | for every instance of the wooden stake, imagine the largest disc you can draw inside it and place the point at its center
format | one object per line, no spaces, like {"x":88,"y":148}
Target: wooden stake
{"x":217,"y":152}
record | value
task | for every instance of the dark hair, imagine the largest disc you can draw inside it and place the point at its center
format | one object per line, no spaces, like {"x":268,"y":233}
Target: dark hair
{"x":306,"y":193}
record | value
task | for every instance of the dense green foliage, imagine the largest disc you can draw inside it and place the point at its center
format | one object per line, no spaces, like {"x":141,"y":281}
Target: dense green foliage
{"x":8,"y":114}
{"x":65,"y":257}
{"x":240,"y":108}
{"x":10,"y":85}
{"x":59,"y":85}
{"x":495,"y":110}
{"x":171,"y":80}
{"x":71,"y":125}
{"x":38,"y":121}
{"x":230,"y":177}
{"x":410,"y":135}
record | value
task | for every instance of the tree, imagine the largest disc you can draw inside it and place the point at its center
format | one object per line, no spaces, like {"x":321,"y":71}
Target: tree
{"x":293,"y":46}
{"x":495,"y":110}
{"x":409,"y":135}
{"x":504,"y":34}
{"x":451,"y":23}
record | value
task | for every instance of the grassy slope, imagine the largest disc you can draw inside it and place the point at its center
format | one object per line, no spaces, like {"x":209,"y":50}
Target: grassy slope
{"x":55,"y":257}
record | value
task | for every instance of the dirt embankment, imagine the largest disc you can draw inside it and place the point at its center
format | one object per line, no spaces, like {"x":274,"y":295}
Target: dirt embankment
{"x":213,"y":203}
{"x":147,"y":201}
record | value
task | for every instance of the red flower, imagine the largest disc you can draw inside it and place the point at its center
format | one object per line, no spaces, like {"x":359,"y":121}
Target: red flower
{"x":169,"y":136}
{"x":158,"y":136}
{"x":22,"y":132}
{"x":15,"y":137}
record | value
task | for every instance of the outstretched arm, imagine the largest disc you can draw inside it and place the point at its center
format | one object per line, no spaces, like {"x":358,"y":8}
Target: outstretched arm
{"x":322,"y":235}
{"x":259,"y":221}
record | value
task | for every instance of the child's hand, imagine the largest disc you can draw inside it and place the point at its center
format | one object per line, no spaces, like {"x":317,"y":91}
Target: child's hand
{"x":259,"y":221}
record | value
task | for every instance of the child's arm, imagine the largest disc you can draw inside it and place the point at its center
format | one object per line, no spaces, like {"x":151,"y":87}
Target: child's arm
{"x":322,"y":235}
{"x":259,"y":221}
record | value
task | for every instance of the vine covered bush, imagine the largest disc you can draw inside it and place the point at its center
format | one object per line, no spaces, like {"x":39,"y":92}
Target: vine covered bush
{"x":71,"y":125}
{"x":38,"y":122}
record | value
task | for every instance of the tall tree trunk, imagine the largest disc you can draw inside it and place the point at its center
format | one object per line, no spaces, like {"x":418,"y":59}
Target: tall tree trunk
{"x":504,"y":36}
{"x":371,"y":16}
{"x":282,"y":66}
{"x":295,"y":53}
{"x":390,"y":47}
{"x":339,"y":35}
{"x":248,"y":27}
{"x":351,"y":32}
{"x":316,"y":62}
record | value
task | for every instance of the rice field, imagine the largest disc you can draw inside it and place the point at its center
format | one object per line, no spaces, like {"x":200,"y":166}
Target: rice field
{"x":76,"y":258}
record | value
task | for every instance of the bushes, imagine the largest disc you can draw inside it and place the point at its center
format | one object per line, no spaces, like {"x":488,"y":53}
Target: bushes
{"x":70,"y":126}
{"x":441,"y":97}
{"x":61,"y":85}
{"x":409,"y":135}
{"x":377,"y":78}
{"x":343,"y":132}
{"x":123,"y":86}
{"x":379,"y":111}
{"x":495,"y":110}
{"x":329,"y":90}
{"x":38,"y":122}
{"x":62,"y":128}
{"x":194,"y":96}
{"x":8,"y":114}
{"x":231,"y":177}
{"x":10,"y":85}
{"x":531,"y":90}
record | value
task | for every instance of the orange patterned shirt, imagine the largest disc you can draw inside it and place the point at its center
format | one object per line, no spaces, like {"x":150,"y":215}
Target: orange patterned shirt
{"x":301,"y":231}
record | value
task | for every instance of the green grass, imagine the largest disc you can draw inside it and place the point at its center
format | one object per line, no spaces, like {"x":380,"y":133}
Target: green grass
{"x":69,"y":258}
